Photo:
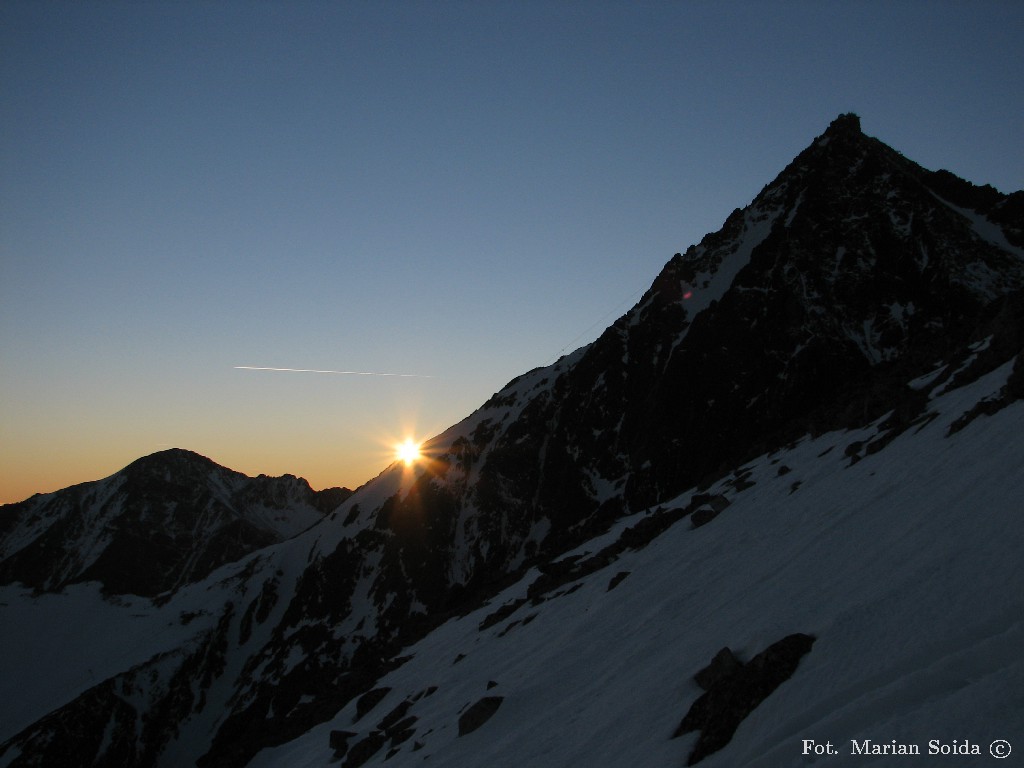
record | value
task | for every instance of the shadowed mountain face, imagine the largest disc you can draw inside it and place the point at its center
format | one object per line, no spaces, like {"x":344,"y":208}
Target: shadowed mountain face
{"x":848,"y":275}
{"x":165,"y":520}
{"x":854,"y":287}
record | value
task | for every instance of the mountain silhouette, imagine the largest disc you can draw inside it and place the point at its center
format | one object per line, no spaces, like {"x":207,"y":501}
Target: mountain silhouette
{"x":742,"y":466}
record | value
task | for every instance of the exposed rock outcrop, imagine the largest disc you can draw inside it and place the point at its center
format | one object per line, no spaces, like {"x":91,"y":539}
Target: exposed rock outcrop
{"x":733,"y":690}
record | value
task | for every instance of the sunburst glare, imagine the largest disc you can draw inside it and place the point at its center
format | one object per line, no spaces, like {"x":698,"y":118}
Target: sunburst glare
{"x":408,"y":451}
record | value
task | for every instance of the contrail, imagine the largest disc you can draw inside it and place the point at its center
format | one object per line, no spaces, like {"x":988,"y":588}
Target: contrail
{"x":345,"y":373}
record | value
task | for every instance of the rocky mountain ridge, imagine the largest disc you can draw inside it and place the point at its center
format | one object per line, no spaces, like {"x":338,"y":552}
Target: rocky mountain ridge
{"x":165,"y":520}
{"x":855,"y":289}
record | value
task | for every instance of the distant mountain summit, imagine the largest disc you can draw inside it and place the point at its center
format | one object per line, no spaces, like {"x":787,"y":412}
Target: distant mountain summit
{"x":165,"y":520}
{"x":858,"y":301}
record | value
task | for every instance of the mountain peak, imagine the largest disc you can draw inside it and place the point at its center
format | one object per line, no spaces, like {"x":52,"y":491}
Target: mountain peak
{"x":844,"y":269}
{"x":847,"y":124}
{"x":171,"y":457}
{"x":165,"y":520}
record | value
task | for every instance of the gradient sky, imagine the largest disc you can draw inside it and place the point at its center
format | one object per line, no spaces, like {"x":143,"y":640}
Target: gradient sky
{"x":461,"y":191}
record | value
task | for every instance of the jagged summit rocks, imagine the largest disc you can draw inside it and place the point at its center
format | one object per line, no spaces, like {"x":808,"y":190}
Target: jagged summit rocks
{"x":847,"y":123}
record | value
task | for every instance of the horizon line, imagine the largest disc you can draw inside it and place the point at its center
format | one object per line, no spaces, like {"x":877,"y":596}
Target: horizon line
{"x":344,"y":373}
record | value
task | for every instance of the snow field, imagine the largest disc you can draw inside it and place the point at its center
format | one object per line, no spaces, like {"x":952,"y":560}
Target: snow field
{"x":906,"y":566}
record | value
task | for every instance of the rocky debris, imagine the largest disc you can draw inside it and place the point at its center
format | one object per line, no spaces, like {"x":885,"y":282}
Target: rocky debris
{"x":364,"y":749}
{"x":397,"y":725}
{"x":338,"y":741}
{"x":1003,"y":340}
{"x":566,"y":570}
{"x":733,"y":690}
{"x":517,"y":623}
{"x":368,"y":701}
{"x":617,"y":579}
{"x":478,"y":714}
{"x":502,"y":613}
{"x":702,"y":516}
{"x":395,"y":716}
{"x":395,"y":728}
{"x":723,"y":665}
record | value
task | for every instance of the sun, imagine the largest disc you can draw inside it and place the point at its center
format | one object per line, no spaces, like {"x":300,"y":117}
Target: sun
{"x":409,"y":451}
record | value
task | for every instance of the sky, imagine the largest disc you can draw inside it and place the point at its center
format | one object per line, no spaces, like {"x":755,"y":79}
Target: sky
{"x":457,"y":192}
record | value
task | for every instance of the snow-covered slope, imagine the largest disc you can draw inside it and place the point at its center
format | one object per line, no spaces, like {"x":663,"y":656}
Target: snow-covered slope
{"x":905,"y":565}
{"x":903,"y":562}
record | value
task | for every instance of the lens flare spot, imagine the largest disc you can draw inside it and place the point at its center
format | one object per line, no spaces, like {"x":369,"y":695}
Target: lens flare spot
{"x":408,"y":451}
{"x":688,"y":295}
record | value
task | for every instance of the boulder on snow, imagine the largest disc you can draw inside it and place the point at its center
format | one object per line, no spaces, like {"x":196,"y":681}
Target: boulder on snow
{"x":338,"y":741}
{"x":702,"y":516}
{"x":617,"y":579}
{"x":722,"y":666}
{"x":364,"y":749}
{"x":479,"y":713}
{"x":708,"y":507}
{"x":735,"y":691}
{"x":368,"y":701}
